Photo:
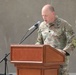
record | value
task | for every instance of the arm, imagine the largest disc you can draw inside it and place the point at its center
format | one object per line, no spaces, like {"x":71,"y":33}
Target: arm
{"x":39,"y":38}
{"x":70,"y":35}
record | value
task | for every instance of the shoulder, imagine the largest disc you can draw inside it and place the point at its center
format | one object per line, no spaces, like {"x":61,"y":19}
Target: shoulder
{"x":65,"y":23}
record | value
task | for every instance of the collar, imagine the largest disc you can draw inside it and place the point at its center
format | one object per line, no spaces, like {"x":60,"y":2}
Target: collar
{"x":56,"y":23}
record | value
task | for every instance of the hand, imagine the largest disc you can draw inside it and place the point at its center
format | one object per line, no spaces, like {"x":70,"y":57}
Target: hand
{"x":62,"y":51}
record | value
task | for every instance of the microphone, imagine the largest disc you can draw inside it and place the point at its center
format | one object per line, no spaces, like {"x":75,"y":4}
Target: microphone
{"x":36,"y":25}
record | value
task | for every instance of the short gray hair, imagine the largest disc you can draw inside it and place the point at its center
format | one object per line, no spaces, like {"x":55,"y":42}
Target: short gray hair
{"x":51,"y":8}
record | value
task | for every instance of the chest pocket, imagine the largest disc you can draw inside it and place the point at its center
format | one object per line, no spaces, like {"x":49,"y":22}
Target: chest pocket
{"x":45,"y":33}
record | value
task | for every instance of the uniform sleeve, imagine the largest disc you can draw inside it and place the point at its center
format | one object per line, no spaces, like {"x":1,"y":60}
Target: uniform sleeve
{"x":39,"y":38}
{"x":70,"y":36}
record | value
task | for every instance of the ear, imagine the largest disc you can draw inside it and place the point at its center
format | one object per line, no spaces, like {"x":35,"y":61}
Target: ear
{"x":53,"y":13}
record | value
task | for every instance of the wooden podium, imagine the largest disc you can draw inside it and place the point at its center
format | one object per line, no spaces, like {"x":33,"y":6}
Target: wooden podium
{"x":36,"y":59}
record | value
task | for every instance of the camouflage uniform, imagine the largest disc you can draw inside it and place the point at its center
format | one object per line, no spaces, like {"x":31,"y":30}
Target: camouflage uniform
{"x":59,"y":35}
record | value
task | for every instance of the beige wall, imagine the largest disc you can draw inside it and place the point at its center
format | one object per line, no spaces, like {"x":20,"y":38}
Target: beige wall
{"x":16,"y":16}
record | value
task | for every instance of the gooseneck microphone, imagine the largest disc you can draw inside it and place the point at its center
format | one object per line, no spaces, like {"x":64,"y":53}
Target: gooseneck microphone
{"x":35,"y":25}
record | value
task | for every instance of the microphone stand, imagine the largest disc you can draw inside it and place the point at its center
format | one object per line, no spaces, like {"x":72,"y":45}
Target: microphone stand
{"x":28,"y":35}
{"x":6,"y":55}
{"x":5,"y":59}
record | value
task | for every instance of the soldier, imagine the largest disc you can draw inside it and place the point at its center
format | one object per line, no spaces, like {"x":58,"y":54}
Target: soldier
{"x":57,"y":33}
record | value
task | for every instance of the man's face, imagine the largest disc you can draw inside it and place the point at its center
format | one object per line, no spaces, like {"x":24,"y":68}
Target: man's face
{"x":48,"y":16}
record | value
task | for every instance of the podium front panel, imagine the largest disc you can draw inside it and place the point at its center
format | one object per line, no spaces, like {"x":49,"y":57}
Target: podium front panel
{"x":27,"y":54}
